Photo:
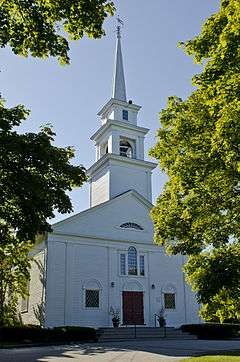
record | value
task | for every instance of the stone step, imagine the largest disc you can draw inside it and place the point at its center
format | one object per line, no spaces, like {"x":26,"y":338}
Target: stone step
{"x":138,"y":328}
{"x":111,"y":339}
{"x":115,"y":334}
{"x":143,"y":333}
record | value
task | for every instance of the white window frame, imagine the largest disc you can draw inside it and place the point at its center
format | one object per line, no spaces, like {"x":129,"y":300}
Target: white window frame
{"x":92,"y":284}
{"x":85,"y":295}
{"x":144,"y":257}
{"x":172,"y":293}
{"x":139,"y":253}
{"x":119,"y":258}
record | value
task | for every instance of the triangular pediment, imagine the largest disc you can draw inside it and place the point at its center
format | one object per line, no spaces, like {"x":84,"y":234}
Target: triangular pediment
{"x":104,"y":221}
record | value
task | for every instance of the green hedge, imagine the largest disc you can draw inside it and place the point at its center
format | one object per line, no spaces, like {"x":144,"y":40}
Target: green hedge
{"x":212,"y":330}
{"x":37,"y":334}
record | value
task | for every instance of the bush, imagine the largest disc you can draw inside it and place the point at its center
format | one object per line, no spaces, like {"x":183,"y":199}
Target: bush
{"x":72,"y":333}
{"x":212,"y":330}
{"x":37,"y":334}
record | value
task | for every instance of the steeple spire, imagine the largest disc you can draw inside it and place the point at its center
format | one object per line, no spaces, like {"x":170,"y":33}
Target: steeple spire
{"x":119,"y":88}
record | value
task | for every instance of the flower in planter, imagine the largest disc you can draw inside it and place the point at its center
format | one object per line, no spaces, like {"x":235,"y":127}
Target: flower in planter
{"x":161,"y":318}
{"x":115,"y":313}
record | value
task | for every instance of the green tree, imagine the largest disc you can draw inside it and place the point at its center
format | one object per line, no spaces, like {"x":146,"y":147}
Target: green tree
{"x":40,"y":27}
{"x":216,"y":274}
{"x":34,"y":174}
{"x":199,"y":148}
{"x":14,"y":274}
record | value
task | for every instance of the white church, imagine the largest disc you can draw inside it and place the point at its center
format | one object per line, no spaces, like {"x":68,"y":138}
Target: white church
{"x":105,"y":258}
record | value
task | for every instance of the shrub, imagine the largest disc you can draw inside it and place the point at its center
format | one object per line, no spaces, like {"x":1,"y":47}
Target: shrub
{"x":72,"y":333}
{"x":212,"y":330}
{"x":37,"y":334}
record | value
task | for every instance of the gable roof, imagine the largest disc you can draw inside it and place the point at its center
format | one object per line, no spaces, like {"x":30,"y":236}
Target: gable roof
{"x":133,"y":193}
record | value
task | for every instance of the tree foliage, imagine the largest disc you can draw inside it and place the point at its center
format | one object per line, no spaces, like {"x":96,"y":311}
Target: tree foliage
{"x":14,"y":275}
{"x":40,"y":27}
{"x":217,"y":274}
{"x":35,"y":176}
{"x":198,"y":146}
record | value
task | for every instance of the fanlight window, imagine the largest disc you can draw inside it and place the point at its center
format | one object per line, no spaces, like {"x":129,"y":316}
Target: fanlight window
{"x":126,"y":149}
{"x":131,"y":225}
{"x":132,"y":261}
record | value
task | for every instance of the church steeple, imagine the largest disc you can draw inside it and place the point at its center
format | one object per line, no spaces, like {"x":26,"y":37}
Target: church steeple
{"x":120,"y":164}
{"x":119,"y":87}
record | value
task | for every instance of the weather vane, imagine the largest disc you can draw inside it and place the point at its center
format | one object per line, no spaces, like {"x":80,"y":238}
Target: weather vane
{"x":119,"y":25}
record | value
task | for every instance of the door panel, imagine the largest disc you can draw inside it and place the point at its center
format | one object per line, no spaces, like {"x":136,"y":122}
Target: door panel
{"x":133,"y":308}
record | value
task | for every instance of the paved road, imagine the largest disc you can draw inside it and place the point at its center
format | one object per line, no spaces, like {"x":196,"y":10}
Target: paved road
{"x":134,"y":351}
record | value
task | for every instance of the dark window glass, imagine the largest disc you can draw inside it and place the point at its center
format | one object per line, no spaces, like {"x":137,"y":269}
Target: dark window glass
{"x":141,"y":265}
{"x":131,"y":225}
{"x":132,"y":261}
{"x":169,"y":301}
{"x":125,"y":115}
{"x":92,"y":298}
{"x":122,"y":264}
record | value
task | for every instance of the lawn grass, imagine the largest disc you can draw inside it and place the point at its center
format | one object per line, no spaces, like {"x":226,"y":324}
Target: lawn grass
{"x":228,"y":356}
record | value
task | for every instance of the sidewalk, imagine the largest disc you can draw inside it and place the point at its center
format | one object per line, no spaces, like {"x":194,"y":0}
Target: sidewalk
{"x":134,"y":351}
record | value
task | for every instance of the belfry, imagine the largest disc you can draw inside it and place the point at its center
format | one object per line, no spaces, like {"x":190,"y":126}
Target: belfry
{"x":119,"y":142}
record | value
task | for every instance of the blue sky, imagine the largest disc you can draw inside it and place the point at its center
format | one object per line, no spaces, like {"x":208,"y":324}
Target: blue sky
{"x":69,"y":97}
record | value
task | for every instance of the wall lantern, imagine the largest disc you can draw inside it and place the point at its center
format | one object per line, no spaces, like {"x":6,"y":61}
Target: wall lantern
{"x":153,"y":286}
{"x":112,"y":284}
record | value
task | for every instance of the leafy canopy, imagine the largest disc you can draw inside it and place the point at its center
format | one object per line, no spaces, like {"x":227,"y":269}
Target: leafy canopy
{"x":198,"y":146}
{"x":34,"y":176}
{"x":40,"y":27}
{"x":14,"y":275}
{"x":217,"y":275}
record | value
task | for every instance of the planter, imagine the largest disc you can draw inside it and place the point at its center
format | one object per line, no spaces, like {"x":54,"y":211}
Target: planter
{"x":162,"y":322}
{"x":115,"y":323}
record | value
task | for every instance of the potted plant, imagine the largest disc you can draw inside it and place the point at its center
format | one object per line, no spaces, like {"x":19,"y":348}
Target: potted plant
{"x":161,"y":318}
{"x":115,"y":313}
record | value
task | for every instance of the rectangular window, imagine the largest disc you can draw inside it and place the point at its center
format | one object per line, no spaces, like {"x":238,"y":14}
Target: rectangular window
{"x":132,"y":261}
{"x":125,"y":114}
{"x":141,"y":265}
{"x":169,"y":301}
{"x":92,"y":298}
{"x":122,"y":264}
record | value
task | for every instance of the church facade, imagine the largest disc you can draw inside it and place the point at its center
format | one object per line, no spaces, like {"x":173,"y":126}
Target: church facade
{"x":104,"y":259}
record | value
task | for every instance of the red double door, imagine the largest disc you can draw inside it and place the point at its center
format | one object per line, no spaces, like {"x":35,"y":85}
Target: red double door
{"x":133,"y":308}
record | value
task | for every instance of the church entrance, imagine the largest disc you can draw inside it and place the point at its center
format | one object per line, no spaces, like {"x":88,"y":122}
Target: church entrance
{"x":133,"y":308}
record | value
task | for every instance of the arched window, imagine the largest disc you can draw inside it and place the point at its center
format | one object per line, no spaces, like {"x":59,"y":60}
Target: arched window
{"x":132,"y":261}
{"x":131,"y":225}
{"x":126,"y":149}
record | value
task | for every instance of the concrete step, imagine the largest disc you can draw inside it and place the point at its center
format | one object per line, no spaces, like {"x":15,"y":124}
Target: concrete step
{"x":116,"y":334}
